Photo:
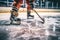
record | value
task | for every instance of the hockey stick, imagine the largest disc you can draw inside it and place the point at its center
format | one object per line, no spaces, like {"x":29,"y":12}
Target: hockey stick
{"x":39,"y":16}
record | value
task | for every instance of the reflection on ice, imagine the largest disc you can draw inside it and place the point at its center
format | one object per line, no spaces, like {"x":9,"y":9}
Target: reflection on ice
{"x":33,"y":30}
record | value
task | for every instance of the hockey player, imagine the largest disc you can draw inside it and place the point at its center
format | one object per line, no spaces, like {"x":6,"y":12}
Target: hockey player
{"x":15,"y":8}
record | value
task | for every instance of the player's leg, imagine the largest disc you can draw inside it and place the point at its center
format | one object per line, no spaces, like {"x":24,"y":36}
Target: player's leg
{"x":14,"y":11}
{"x":29,"y":8}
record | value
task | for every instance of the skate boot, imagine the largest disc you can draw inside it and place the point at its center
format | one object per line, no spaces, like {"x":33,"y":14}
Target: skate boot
{"x":29,"y":16}
{"x":13,"y":18}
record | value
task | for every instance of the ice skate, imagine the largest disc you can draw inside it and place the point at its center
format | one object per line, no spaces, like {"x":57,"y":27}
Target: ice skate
{"x":16,"y":21}
{"x":29,"y":16}
{"x":13,"y":18}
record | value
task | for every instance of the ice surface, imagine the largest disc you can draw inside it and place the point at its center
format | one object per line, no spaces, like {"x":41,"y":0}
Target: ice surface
{"x":31,"y":30}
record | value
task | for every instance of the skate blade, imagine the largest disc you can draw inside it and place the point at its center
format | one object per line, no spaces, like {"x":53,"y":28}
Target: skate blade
{"x":30,"y":17}
{"x":7,"y":23}
{"x":15,"y":23}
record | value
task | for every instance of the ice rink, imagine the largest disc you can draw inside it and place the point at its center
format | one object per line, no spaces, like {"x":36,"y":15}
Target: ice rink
{"x":33,"y":30}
